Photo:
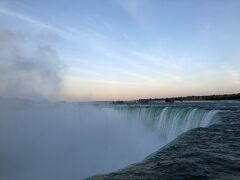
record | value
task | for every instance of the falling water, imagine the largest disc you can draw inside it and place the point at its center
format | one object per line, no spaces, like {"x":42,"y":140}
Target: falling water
{"x":172,"y":121}
{"x":70,"y":141}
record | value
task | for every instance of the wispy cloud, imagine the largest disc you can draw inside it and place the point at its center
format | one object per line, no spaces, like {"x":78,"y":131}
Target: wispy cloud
{"x":140,"y":13}
{"x":157,"y":60}
{"x":89,"y":33}
{"x":133,"y":8}
{"x":37,"y":23}
{"x":78,"y":80}
{"x":27,"y":19}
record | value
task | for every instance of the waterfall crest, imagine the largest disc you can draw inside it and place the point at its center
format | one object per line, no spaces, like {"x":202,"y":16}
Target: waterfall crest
{"x":172,"y":121}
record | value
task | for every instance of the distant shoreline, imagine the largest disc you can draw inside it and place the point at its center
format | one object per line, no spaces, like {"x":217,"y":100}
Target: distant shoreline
{"x":184,"y":98}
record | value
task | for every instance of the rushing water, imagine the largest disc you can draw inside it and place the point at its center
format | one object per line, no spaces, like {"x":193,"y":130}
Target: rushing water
{"x":73,"y":141}
{"x":169,"y":122}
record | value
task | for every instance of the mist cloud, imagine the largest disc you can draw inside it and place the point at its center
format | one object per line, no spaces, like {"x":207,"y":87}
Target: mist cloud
{"x":29,"y":67}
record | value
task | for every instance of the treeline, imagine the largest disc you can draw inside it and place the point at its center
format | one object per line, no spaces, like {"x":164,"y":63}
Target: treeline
{"x":214,"y":97}
{"x":186,"y":98}
{"x":196,"y":98}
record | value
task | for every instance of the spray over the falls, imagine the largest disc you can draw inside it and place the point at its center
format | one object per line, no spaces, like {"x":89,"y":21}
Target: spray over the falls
{"x":71,"y":140}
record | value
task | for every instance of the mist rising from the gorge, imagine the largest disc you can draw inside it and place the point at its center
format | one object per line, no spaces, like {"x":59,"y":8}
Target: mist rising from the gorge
{"x":68,"y":141}
{"x":43,"y":140}
{"x":29,"y":69}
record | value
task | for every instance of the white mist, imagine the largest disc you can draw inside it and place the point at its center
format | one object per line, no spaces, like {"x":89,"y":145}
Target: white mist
{"x":68,"y":141}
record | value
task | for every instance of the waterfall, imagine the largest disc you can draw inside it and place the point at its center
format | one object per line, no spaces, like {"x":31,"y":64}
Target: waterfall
{"x":73,"y":141}
{"x":171,"y":121}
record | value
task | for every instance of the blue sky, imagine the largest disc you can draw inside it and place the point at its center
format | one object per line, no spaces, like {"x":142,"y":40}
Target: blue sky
{"x":124,"y":49}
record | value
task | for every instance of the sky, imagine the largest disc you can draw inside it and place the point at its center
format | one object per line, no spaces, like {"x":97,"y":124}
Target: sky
{"x":87,"y":50}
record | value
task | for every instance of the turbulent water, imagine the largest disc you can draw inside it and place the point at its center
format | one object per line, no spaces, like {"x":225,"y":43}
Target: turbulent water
{"x":41,"y":140}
